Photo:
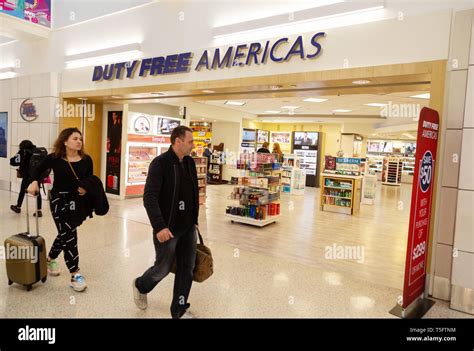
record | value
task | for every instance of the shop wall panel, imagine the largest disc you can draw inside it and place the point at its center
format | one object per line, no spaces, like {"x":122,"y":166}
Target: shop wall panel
{"x":93,"y":143}
{"x":43,"y":110}
{"x":471,"y":55}
{"x":450,"y":168}
{"x":15,"y":103}
{"x":53,"y":134}
{"x":23,"y":131}
{"x":53,"y":114}
{"x":448,"y":200}
{"x":14,"y":139}
{"x":456,"y":90}
{"x":466,"y":178}
{"x":44,"y":137}
{"x":13,"y":87}
{"x":464,"y":232}
{"x":469,"y":112}
{"x":444,"y":257}
{"x":463,"y":274}
{"x":23,"y":87}
{"x":460,"y":40}
{"x":39,"y":85}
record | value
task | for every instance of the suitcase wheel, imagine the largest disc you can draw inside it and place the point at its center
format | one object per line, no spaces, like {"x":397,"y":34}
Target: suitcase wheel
{"x":29,"y":287}
{"x":10,"y":282}
{"x":44,"y":279}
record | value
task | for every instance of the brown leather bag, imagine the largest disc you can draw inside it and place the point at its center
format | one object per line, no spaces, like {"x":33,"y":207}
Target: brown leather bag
{"x":204,"y":266}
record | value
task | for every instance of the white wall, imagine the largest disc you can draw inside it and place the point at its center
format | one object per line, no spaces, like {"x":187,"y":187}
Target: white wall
{"x":155,"y":109}
{"x":161,"y":32}
{"x":5,"y":106}
{"x":43,"y":89}
{"x":229,"y":134}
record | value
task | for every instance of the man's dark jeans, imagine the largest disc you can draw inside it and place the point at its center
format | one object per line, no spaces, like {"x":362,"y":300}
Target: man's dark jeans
{"x":183,"y":247}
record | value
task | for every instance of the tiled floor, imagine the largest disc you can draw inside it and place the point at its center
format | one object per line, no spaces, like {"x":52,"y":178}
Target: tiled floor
{"x":278,"y":271}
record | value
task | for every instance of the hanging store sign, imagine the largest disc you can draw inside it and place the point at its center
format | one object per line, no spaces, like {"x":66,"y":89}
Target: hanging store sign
{"x":281,"y":50}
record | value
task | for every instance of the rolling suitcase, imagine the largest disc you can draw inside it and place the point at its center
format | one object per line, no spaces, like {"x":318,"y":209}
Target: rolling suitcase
{"x":26,"y":256}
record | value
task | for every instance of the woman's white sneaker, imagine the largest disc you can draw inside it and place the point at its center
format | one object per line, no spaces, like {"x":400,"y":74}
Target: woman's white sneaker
{"x":78,"y":282}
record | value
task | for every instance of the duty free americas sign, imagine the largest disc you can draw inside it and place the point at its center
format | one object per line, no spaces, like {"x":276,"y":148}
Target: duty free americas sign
{"x":281,"y":50}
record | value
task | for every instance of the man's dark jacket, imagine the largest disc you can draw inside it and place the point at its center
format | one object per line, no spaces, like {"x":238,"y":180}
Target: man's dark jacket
{"x":162,"y":190}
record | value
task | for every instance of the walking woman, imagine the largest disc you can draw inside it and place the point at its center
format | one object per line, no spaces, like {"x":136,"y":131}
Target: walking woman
{"x":22,"y":159}
{"x":69,"y":163}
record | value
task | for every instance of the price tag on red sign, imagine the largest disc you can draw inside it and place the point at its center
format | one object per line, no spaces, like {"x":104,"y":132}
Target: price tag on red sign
{"x":420,"y":213}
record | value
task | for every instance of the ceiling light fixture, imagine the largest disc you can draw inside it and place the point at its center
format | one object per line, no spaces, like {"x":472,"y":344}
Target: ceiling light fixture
{"x":376,"y":104}
{"x":329,"y":11}
{"x":7,"y":72}
{"x":123,"y":53}
{"x":234,"y":103}
{"x":315,"y":100}
{"x":425,"y":96}
{"x":361,"y":82}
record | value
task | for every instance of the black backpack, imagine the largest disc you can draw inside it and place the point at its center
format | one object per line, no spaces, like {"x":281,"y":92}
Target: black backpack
{"x":38,"y":154}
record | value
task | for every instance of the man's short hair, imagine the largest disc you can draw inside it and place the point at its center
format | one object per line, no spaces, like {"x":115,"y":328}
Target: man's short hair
{"x":179,"y":132}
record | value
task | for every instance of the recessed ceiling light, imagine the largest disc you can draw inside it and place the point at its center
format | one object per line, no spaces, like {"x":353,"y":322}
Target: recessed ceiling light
{"x":215,"y":120}
{"x":208,"y":91}
{"x":361,"y":81}
{"x":235,"y":103}
{"x":425,"y":96}
{"x":275,"y":87}
{"x":116,"y":97}
{"x":82,"y":99}
{"x":315,"y":100}
{"x":272,"y":112}
{"x":202,"y":119}
{"x":376,"y":104}
{"x":341,"y":111}
{"x":290,"y":107}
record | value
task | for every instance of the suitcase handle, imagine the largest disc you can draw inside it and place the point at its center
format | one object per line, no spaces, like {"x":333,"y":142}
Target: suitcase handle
{"x":28,"y":216}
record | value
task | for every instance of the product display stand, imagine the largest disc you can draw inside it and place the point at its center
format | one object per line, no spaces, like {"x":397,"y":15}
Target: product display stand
{"x":368,"y":189}
{"x":215,"y":168}
{"x":201,"y":167}
{"x":259,"y":194}
{"x":293,"y":179}
{"x":340,"y":193}
{"x":392,"y":171}
{"x":408,"y":170}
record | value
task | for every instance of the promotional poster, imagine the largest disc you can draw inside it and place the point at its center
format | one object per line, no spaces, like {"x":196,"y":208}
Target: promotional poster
{"x":114,"y":150}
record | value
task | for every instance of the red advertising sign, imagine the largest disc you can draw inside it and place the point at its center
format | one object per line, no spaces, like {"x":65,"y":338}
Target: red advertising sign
{"x":420,"y":213}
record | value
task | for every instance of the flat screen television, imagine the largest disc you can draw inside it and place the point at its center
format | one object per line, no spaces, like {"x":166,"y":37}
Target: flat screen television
{"x":306,"y":138}
{"x":249,"y":135}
